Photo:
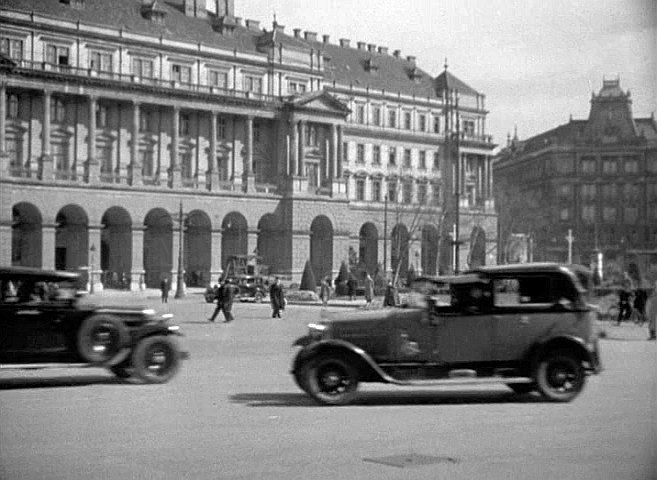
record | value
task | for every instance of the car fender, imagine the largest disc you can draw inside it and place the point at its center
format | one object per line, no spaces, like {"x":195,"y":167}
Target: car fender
{"x":571,"y":342}
{"x":367,"y":367}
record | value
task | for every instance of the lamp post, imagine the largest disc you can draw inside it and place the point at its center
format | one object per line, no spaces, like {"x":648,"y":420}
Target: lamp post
{"x":91,"y":269}
{"x":385,"y":236}
{"x":180,"y":290}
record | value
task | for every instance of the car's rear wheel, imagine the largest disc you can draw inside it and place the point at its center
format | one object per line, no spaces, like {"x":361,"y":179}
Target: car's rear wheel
{"x":102,"y":340}
{"x":330,"y":380}
{"x":522,"y":388}
{"x":560,"y":376}
{"x":156,"y":359}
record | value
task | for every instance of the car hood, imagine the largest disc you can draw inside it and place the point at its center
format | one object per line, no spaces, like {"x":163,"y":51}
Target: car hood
{"x":366,"y":316}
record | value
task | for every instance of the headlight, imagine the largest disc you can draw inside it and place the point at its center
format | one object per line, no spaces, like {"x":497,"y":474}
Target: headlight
{"x":316,"y":330}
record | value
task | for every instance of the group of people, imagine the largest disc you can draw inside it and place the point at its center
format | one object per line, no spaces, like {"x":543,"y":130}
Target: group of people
{"x":638,"y":301}
{"x":225,"y":292}
{"x":326,"y":291}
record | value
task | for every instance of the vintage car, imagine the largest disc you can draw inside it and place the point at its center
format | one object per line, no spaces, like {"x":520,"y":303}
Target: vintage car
{"x":250,"y":288}
{"x":44,"y":323}
{"x":527,"y":326}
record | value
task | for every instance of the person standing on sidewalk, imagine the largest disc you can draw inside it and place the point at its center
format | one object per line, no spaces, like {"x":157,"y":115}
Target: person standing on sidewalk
{"x":277,"y":298}
{"x":164,"y":288}
{"x":651,"y":314}
{"x":325,"y":291}
{"x":369,"y":290}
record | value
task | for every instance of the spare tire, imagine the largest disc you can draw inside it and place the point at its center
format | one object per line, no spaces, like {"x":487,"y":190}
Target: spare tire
{"x":102,"y":340}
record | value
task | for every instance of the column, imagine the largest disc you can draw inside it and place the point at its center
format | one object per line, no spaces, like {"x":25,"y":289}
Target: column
{"x":95,"y":272}
{"x":489,"y":162}
{"x":252,"y":241}
{"x":338,"y":184}
{"x":248,"y":175}
{"x":486,"y":192}
{"x":294,"y":150}
{"x":213,"y":172}
{"x":300,"y":146}
{"x":175,"y":178}
{"x":174,"y":253}
{"x":5,"y":241}
{"x":48,"y":233}
{"x":215,"y":257}
{"x":4,"y":158}
{"x":138,"y":274}
{"x":134,"y":172}
{"x":46,"y":171}
{"x":340,"y":160}
{"x":333,"y":159}
{"x":92,"y":172}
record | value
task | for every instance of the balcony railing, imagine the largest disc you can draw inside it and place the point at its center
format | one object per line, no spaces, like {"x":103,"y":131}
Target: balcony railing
{"x":67,"y":70}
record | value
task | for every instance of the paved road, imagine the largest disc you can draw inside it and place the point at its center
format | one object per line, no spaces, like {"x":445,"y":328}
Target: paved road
{"x":234,"y":413}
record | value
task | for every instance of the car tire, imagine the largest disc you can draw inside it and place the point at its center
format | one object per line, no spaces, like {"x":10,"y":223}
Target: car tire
{"x":156,"y":359}
{"x":102,"y":340}
{"x":330,"y":380}
{"x":522,"y":388}
{"x":560,"y":376}
{"x":258,"y":297}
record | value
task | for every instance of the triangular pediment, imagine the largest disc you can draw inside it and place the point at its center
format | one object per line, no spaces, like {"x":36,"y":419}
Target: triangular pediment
{"x":318,"y":102}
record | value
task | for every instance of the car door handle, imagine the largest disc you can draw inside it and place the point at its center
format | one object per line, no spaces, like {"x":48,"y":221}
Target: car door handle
{"x":524,"y":320}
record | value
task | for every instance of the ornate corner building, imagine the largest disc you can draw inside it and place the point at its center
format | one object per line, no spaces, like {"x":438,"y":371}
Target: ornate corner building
{"x":131,"y":130}
{"x":595,"y":177}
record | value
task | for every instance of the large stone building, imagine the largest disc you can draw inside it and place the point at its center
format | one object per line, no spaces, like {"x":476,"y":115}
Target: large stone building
{"x":115,"y":116}
{"x":595,"y":177}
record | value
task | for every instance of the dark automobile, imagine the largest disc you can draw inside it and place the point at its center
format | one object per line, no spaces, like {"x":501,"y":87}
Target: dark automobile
{"x":527,"y":326}
{"x":43,"y":323}
{"x":250,"y":288}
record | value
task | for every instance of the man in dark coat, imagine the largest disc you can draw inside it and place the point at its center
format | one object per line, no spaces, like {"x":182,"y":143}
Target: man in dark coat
{"x":218,"y":297}
{"x":227,"y":296}
{"x":164,"y":288}
{"x":277,"y":298}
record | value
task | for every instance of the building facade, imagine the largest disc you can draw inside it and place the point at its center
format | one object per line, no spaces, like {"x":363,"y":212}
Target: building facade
{"x":596,"y":178}
{"x":130,"y":127}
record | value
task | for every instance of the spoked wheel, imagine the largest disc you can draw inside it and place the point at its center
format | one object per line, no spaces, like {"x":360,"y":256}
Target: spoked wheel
{"x":331,"y":380}
{"x":560,"y":376}
{"x":156,"y":359}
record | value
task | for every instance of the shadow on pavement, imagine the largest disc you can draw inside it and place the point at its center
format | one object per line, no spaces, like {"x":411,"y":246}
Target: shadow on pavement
{"x":61,"y":381}
{"x":389,"y":398}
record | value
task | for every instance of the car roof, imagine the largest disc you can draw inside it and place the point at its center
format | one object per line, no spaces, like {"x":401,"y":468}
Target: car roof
{"x":39,"y":274}
{"x":538,"y":267}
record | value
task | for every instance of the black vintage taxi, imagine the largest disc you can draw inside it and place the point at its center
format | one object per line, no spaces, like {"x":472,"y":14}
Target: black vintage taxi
{"x":43,"y":323}
{"x":527,"y":326}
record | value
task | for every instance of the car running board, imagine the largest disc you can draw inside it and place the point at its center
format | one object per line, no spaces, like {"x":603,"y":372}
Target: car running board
{"x":41,"y":366}
{"x":464,"y":381}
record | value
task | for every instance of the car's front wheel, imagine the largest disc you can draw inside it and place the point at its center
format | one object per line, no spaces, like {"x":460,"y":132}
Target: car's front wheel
{"x":560,"y":376}
{"x":102,"y":340}
{"x":156,"y":359}
{"x":330,"y":380}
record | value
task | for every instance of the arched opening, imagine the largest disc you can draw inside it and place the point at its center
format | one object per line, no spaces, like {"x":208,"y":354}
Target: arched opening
{"x":368,"y":247}
{"x":399,"y":250}
{"x":234,"y":239}
{"x":116,"y":248}
{"x":158,"y":247}
{"x":71,"y":238}
{"x":198,"y":249}
{"x":477,"y":255}
{"x":321,"y":247}
{"x":269,"y":242}
{"x":429,"y":250}
{"x":26,"y":243}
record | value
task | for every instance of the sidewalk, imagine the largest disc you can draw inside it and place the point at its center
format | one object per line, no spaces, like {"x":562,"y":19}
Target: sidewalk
{"x":624,"y":331}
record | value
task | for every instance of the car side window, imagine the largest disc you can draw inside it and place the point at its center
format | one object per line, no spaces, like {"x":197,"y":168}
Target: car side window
{"x":530,"y":291}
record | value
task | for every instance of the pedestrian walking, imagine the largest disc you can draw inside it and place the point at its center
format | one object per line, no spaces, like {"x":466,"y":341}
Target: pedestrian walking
{"x":351,"y":287}
{"x":227,"y":297}
{"x":651,"y":314}
{"x":164,"y":288}
{"x":369,"y":290}
{"x":277,"y":298}
{"x":325,"y":291}
{"x":218,"y":298}
{"x":390,"y":296}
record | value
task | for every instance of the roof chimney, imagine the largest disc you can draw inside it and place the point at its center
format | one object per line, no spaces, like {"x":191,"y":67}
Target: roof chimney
{"x":325,"y":38}
{"x":411,"y":59}
{"x":383,"y":50}
{"x":396,"y":53}
{"x":344,"y":42}
{"x":310,"y":36}
{"x":223,"y":8}
{"x":188,"y":7}
{"x":297,"y":33}
{"x":371,"y":48}
{"x":253,"y":25}
{"x":361,"y":45}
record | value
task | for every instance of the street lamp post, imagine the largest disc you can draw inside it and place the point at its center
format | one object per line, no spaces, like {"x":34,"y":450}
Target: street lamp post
{"x":91,"y":269}
{"x":180,"y":290}
{"x":385,"y":236}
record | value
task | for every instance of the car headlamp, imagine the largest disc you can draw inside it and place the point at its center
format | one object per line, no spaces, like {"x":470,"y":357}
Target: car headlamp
{"x":316,"y":330}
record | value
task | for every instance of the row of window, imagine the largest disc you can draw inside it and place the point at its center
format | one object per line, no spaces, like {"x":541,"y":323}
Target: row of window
{"x":397,"y":192}
{"x":609,"y":213}
{"x":376,"y":119}
{"x":605,"y":165}
{"x":102,"y":63}
{"x":392,"y":156}
{"x":612,"y":192}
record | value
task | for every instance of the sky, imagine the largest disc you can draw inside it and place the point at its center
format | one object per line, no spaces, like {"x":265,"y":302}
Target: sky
{"x":537,"y":61}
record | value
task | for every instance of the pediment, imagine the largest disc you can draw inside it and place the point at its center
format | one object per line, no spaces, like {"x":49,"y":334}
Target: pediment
{"x":319,"y":101}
